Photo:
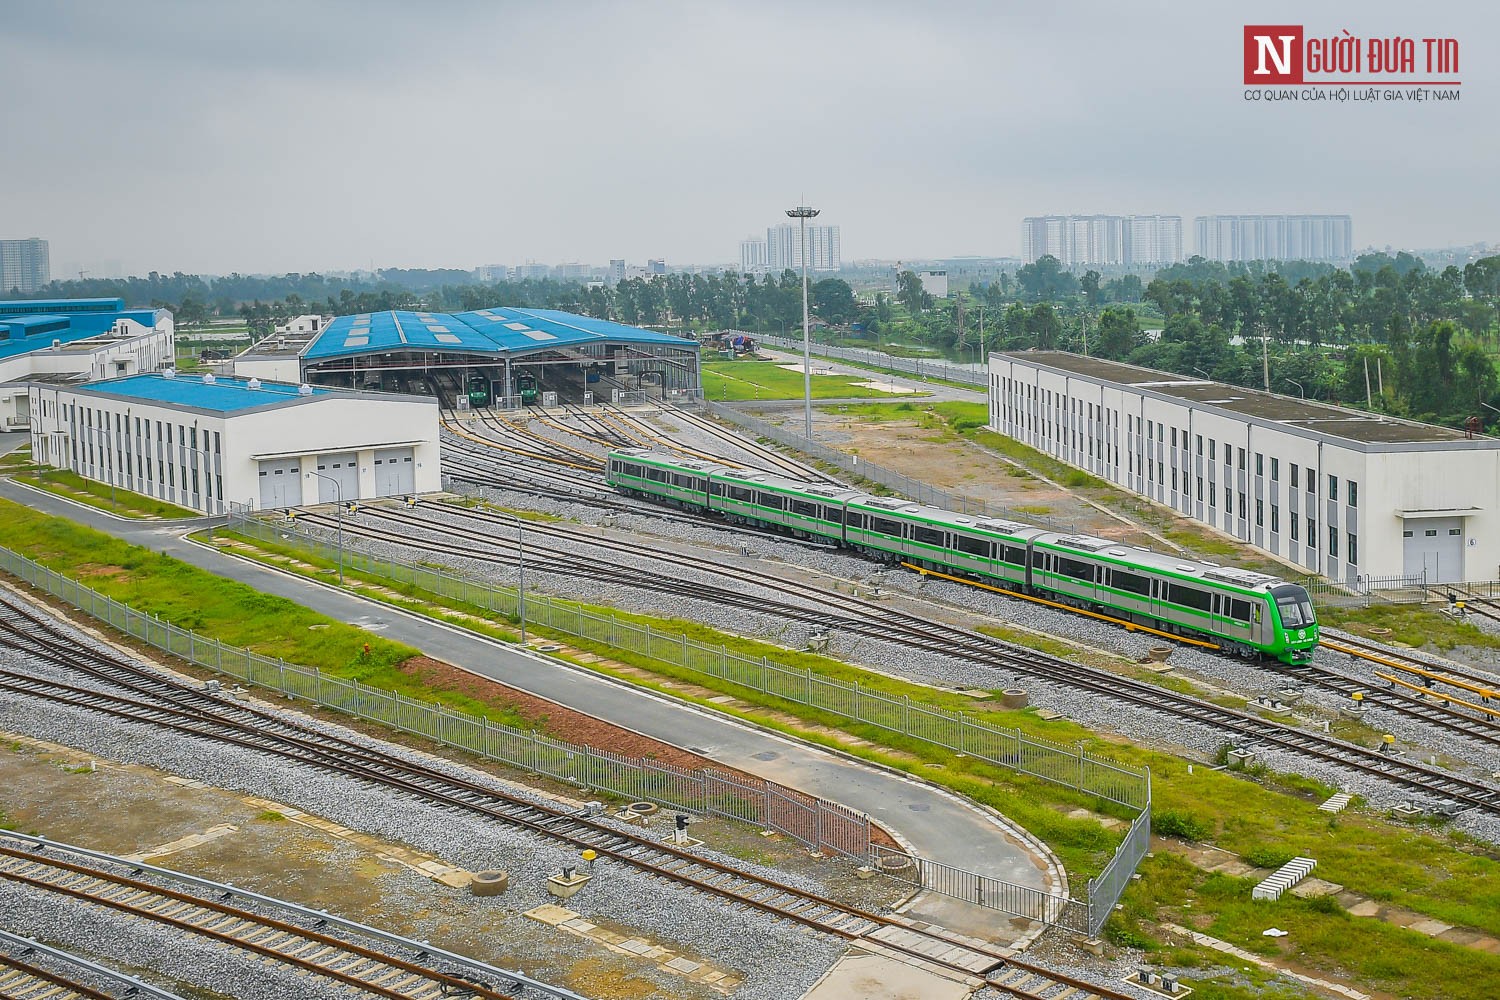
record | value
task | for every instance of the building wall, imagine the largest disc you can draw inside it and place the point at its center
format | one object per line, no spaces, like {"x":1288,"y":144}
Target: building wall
{"x":204,"y":460}
{"x":784,"y":248}
{"x":1328,"y":505}
{"x":25,"y":265}
{"x":1076,"y":240}
{"x":1274,"y":237}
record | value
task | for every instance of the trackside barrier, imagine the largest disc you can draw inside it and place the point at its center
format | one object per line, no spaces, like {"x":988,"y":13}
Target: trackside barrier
{"x":816,"y":823}
{"x":889,"y":478}
{"x":1070,"y":767}
{"x":918,"y":367}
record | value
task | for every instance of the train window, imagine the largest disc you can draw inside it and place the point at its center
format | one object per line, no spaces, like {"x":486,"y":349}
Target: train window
{"x":741,"y":494}
{"x":1132,"y":583}
{"x":885,"y":526}
{"x":1189,"y":597}
{"x":1077,"y":570}
{"x":973,"y":546}
{"x":1218,"y":607}
{"x":834,"y":514}
{"x":637,"y":471}
{"x":1013,"y":555}
{"x":686,"y":482}
{"x":771,"y":500}
{"x":803,"y":507}
{"x":1291,"y":615}
{"x":1239,"y":610}
{"x":929,"y":536}
{"x":656,"y":475}
{"x":854,"y":519}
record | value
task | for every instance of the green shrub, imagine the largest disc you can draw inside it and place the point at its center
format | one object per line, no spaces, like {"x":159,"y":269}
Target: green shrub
{"x":1267,"y":857}
{"x":1173,"y":823}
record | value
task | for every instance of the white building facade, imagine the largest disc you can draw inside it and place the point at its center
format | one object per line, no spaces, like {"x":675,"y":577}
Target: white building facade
{"x":784,"y":248}
{"x":753,"y":256}
{"x":202,"y":442}
{"x":1274,"y":237}
{"x":1344,"y":494}
{"x":1120,"y":240}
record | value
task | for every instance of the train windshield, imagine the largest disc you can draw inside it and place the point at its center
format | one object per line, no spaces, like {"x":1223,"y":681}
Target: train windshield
{"x":1295,"y":606}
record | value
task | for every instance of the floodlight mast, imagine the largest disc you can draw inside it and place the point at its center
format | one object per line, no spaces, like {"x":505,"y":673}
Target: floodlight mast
{"x":802,"y":213}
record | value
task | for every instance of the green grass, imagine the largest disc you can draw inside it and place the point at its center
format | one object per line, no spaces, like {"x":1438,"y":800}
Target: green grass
{"x":745,"y":380}
{"x":1413,"y":624}
{"x":16,"y":460}
{"x":123,"y":502}
{"x":223,"y":609}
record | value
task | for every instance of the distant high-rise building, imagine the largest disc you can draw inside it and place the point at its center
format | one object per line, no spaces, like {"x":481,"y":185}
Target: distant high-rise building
{"x":752,"y":256}
{"x":25,"y":265}
{"x":571,"y":271}
{"x":1128,"y":240}
{"x":784,"y":249}
{"x":616,"y":273}
{"x":1275,"y":237}
{"x":491,"y":273}
{"x":658,"y":266}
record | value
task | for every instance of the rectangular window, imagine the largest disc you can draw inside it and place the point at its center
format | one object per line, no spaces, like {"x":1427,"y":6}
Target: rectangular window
{"x":1174,"y":437}
{"x":1353,"y":549}
{"x":1242,"y":458}
{"x":928,"y":536}
{"x":1244,"y":506}
{"x":1406,"y":534}
{"x":1333,"y":487}
{"x":775,"y":501}
{"x":1312,"y":533}
{"x":1228,"y":501}
{"x":1131,"y":583}
{"x":1294,"y":475}
{"x":1260,"y":464}
{"x":1190,"y":597}
{"x":803,"y":507}
{"x":885,"y":526}
{"x":1455,"y":531}
{"x":1275,"y":519}
{"x":973,"y":546}
{"x":1239,"y":610}
{"x":1200,"y":488}
{"x":1074,"y":568}
{"x":1430,"y":533}
{"x":1312,"y":479}
{"x":1200,"y":444}
{"x":1260,"y":512}
{"x":1353,"y":494}
{"x":1333,"y":542}
{"x":1275,"y":469}
{"x":1212,"y":449}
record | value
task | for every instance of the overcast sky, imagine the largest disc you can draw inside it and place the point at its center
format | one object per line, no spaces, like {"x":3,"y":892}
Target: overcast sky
{"x":270,"y":137}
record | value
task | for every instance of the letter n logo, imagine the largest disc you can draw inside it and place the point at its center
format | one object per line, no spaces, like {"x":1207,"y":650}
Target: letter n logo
{"x":1273,"y":54}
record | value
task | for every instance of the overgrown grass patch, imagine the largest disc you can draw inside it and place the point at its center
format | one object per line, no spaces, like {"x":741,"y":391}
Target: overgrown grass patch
{"x":123,"y":502}
{"x":1413,"y":624}
{"x":734,"y":381}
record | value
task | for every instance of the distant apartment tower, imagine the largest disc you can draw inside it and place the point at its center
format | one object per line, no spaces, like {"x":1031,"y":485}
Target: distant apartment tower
{"x":1275,"y":237}
{"x":25,"y":265}
{"x":491,"y":273}
{"x":1120,"y":240}
{"x":784,"y":248}
{"x":657,"y":266}
{"x":616,"y":273}
{"x":753,"y":256}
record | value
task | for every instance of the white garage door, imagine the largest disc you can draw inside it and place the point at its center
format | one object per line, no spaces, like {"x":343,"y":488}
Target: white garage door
{"x":1434,"y":544}
{"x":280,"y":483}
{"x":394,"y":472}
{"x":342,"y":468}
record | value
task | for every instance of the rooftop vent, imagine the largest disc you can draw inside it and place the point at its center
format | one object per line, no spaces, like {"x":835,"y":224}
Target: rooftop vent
{"x":208,"y":378}
{"x":254,"y":383}
{"x":304,"y":389}
{"x":56,"y":345}
{"x":169,"y":373}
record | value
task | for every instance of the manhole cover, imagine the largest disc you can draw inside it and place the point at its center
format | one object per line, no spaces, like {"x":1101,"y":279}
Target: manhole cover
{"x":768,"y":755}
{"x":919,"y":807}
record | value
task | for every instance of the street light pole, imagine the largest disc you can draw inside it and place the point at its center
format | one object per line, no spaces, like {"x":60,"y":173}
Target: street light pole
{"x":1300,"y":391}
{"x":338,"y":492}
{"x":521,"y":563}
{"x":802,"y":213}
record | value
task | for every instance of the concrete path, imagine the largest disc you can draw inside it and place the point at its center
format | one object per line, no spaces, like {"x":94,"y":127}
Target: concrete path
{"x":938,"y":825}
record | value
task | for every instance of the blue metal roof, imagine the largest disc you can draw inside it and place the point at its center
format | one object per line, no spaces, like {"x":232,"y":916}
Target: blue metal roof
{"x":224,"y":394}
{"x":81,"y":326}
{"x":24,"y":307}
{"x":485,"y":331}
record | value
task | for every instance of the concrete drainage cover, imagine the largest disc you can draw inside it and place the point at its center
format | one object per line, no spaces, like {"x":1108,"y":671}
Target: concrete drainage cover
{"x":766,"y":755}
{"x":919,"y":807}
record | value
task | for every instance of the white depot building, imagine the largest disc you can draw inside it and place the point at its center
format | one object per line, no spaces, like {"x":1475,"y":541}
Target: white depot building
{"x":1346,"y":494}
{"x":203,"y":442}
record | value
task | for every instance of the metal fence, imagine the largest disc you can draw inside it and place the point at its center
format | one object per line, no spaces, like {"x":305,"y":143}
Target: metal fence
{"x":889,"y":478}
{"x":1070,"y":767}
{"x":1106,"y":888}
{"x":1367,"y":590}
{"x":918,"y":367}
{"x":818,"y":824}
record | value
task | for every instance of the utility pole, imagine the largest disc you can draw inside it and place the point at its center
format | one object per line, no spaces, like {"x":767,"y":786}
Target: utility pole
{"x":802,"y":213}
{"x":1265,"y":360}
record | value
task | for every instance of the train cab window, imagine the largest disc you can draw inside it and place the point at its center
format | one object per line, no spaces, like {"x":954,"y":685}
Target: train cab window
{"x":1132,"y":583}
{"x":885,"y":526}
{"x":972,"y":546}
{"x":1295,"y":606}
{"x":928,"y":536}
{"x":772,"y":500}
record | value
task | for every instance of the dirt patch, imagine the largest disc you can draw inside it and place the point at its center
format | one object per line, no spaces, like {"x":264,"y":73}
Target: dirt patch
{"x":111,"y":572}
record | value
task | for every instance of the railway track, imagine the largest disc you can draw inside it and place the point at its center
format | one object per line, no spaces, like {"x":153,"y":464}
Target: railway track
{"x":819,"y":607}
{"x":148,"y":698}
{"x":29,"y":971}
{"x":359,"y":957}
{"x":778,"y":462}
{"x":1416,"y":680}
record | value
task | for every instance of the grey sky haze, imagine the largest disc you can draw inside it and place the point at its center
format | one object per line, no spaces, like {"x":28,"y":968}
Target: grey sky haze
{"x":276,"y":137}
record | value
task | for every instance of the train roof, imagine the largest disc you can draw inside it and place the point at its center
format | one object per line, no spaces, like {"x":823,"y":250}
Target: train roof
{"x":947,"y":518}
{"x":1246,"y":579}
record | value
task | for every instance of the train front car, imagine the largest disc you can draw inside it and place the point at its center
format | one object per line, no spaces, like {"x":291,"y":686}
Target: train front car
{"x":1297,"y":628}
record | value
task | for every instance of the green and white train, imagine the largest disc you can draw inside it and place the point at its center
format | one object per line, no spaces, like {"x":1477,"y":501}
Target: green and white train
{"x":1238,"y":610}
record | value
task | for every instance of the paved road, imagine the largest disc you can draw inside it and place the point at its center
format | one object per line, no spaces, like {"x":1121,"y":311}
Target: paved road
{"x":936,"y":824}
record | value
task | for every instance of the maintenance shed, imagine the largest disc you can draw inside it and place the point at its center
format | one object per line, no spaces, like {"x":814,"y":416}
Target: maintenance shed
{"x":502,"y":357}
{"x":1358,"y":497}
{"x":204,"y":441}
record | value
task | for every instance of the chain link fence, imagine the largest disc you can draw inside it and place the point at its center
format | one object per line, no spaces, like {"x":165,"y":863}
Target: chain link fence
{"x":916,"y":367}
{"x":1069,"y":767}
{"x":816,"y":823}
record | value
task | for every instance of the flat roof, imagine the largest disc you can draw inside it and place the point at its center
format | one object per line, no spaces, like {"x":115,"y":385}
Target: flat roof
{"x":81,"y":326}
{"x":19,"y":307}
{"x":1323,"y":419}
{"x":219,"y":393}
{"x":497,"y":331}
